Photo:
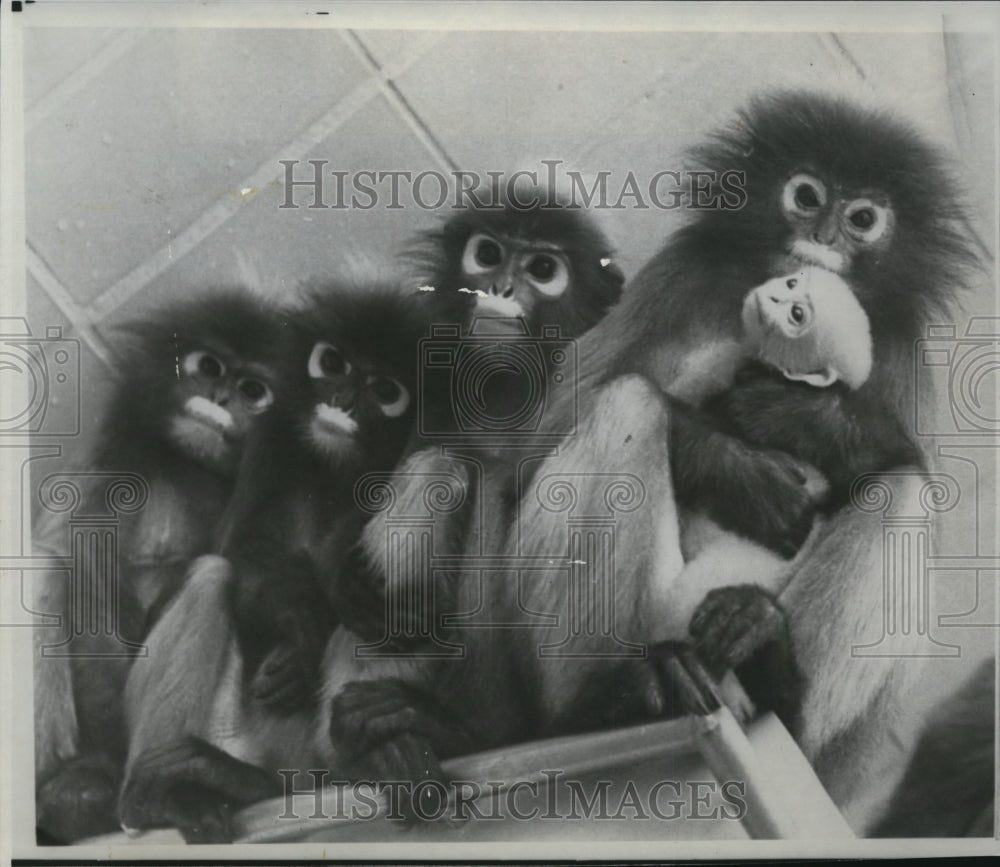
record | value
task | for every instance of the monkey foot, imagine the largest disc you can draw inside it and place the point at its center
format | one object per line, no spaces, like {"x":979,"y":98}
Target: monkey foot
{"x":79,"y":800}
{"x":194,"y":787}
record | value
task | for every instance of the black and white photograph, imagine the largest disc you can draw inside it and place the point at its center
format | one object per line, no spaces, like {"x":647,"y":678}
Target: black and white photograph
{"x":473,"y":431}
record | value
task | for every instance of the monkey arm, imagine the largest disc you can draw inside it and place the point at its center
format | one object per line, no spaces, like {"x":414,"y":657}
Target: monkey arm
{"x":282,"y":619}
{"x":842,"y":433}
{"x":758,"y":493}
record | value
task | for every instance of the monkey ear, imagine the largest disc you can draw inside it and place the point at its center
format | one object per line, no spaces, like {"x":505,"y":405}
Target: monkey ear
{"x":818,"y":378}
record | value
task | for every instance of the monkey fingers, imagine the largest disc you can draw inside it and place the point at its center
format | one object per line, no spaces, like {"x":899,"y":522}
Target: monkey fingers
{"x":405,"y":759}
{"x":772,"y":503}
{"x":285,"y":683}
{"x":193,"y":786}
{"x":732,"y":623}
{"x":743,"y":628}
{"x":365,"y":714}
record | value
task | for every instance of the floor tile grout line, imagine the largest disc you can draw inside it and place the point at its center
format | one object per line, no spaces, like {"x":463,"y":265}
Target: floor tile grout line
{"x":268,"y":172}
{"x":63,"y":299}
{"x":410,"y":116}
{"x":77,"y":79}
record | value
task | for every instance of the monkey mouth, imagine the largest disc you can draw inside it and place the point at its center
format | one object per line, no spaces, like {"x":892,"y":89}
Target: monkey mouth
{"x":818,"y":254}
{"x":494,"y":306}
{"x":206,"y":412}
{"x":332,"y":419}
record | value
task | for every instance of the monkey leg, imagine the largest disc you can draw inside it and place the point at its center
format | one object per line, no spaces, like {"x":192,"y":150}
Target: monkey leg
{"x":950,"y":781}
{"x":173,"y":776}
{"x":576,"y":668}
{"x":79,"y":708}
{"x":836,"y":602}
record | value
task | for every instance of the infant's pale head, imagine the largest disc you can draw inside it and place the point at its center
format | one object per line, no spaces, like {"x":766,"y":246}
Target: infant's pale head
{"x":811,"y":327}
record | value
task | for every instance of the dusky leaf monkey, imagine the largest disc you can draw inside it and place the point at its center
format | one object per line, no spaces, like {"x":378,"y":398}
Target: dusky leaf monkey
{"x":224,"y":698}
{"x":194,"y":379}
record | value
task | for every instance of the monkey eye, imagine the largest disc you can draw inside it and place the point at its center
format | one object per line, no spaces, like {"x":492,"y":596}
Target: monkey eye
{"x":203,"y":364}
{"x":392,"y":396}
{"x":865,"y":220}
{"x":482,"y":253}
{"x":803,"y":195}
{"x":547,"y":273}
{"x":797,"y":314}
{"x":326,"y":361}
{"x":255,"y":392}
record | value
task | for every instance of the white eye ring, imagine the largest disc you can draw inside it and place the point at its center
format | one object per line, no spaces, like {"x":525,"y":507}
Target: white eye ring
{"x":793,"y":195}
{"x":398,"y":405}
{"x":201,"y":363}
{"x":316,"y":357}
{"x":879,"y":215}
{"x":553,"y":284}
{"x":474,"y":258}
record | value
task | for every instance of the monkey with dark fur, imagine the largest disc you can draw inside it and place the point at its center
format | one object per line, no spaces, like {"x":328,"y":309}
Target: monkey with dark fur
{"x":828,"y":184}
{"x":804,"y":357}
{"x":542,"y":262}
{"x":528,"y":265}
{"x":196,"y":378}
{"x":224,"y":697}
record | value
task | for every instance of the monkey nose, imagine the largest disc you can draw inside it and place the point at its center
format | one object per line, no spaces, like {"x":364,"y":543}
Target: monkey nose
{"x":343,"y":401}
{"x":825,"y":238}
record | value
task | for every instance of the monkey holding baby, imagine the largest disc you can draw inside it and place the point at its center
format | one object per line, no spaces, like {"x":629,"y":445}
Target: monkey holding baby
{"x":830,"y":186}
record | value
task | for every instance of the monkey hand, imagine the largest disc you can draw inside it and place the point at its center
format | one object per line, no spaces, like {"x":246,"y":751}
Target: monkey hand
{"x":365,"y":714}
{"x":286,"y":680}
{"x":743,"y":628}
{"x":386,"y":731}
{"x":769,"y":498}
{"x":283,"y":624}
{"x":192,"y":786}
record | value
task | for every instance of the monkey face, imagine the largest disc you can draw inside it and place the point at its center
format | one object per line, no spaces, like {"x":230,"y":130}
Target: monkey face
{"x":218,"y":397}
{"x":832,"y":227}
{"x":782,"y":306}
{"x":811,"y":326}
{"x":352,"y":401}
{"x":511,"y":277}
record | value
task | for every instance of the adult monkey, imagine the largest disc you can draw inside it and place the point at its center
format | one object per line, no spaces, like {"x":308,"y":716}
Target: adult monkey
{"x":827,"y":184}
